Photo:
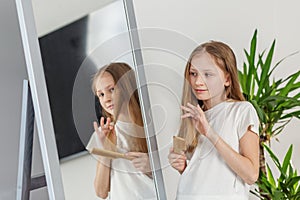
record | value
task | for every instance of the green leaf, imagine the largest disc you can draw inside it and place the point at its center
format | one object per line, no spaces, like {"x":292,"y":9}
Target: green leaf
{"x":259,"y":111}
{"x":280,"y":128}
{"x":273,"y":99}
{"x":293,"y":181}
{"x":264,"y":185}
{"x":290,"y":76}
{"x":245,"y":66}
{"x":278,"y":195}
{"x":270,"y":176}
{"x":242,"y":80}
{"x":256,"y":193}
{"x":273,"y":156}
{"x":294,"y":86}
{"x":265,"y":67}
{"x":292,"y":114}
{"x":287,"y":159}
{"x":251,"y":61}
{"x":287,"y":104}
{"x":290,"y":84}
{"x":277,"y":64}
{"x":253,"y":45}
{"x":296,"y":196}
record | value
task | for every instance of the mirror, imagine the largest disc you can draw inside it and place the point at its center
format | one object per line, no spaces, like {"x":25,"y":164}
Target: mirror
{"x":72,"y":50}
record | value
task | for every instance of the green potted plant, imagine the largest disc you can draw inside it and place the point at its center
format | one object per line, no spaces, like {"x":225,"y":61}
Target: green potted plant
{"x":286,"y":186}
{"x":271,"y":98}
{"x":275,"y":100}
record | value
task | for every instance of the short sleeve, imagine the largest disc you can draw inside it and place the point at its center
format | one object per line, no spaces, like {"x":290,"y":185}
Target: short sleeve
{"x":248,"y":117}
{"x":94,"y":142}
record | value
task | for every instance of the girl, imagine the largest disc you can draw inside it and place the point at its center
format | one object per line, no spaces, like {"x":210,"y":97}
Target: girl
{"x":220,"y":129}
{"x":115,"y":86}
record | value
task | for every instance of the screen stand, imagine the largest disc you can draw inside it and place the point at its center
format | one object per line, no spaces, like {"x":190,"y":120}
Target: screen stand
{"x":26,"y":182}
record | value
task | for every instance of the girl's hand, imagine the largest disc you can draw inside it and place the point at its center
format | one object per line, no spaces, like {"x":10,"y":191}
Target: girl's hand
{"x":105,"y":129}
{"x":177,"y":161}
{"x":141,"y":162}
{"x":198,"y":117}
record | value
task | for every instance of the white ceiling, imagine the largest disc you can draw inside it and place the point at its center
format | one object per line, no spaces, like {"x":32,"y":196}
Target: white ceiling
{"x":53,"y":14}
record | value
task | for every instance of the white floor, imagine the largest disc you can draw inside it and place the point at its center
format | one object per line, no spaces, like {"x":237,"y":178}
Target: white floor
{"x":78,"y":178}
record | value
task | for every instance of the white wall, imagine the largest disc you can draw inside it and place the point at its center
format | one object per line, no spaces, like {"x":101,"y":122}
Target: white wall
{"x":51,"y":15}
{"x":232,"y":22}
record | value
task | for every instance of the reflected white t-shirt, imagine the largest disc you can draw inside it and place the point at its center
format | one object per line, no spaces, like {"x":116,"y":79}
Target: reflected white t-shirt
{"x":125,"y":181}
{"x":207,"y":176}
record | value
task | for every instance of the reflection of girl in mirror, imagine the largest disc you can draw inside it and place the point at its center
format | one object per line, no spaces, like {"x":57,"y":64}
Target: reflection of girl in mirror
{"x":220,"y":129}
{"x":121,"y":129}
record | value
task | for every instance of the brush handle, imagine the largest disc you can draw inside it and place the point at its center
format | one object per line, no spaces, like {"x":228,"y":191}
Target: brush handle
{"x":109,"y":154}
{"x":179,"y":144}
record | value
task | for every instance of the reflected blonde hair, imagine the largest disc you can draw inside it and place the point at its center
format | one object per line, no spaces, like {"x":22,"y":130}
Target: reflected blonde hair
{"x":225,"y":59}
{"x":126,"y":90}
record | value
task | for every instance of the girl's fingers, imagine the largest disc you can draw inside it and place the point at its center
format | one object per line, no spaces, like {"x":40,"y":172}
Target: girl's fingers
{"x":134,"y":154}
{"x":135,"y":162}
{"x":138,"y":157}
{"x":102,"y":121}
{"x":191,"y":106}
{"x":193,"y":111}
{"x":186,"y":115}
{"x":178,"y":166}
{"x":196,"y":109}
{"x":173,"y":153}
{"x":189,"y":115}
{"x":189,"y":110}
{"x":174,"y":156}
{"x":107,"y":125}
{"x":139,"y":162}
{"x":108,"y":120}
{"x":200,"y":109}
{"x":95,"y":126}
{"x":175,"y":162}
{"x":186,"y":109}
{"x":177,"y":159}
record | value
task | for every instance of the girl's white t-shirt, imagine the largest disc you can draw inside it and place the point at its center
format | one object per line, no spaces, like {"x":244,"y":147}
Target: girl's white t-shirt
{"x":207,"y":176}
{"x":125,"y":181}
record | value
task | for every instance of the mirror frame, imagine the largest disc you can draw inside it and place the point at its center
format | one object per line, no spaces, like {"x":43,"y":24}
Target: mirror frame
{"x":145,"y":100}
{"x":40,"y":99}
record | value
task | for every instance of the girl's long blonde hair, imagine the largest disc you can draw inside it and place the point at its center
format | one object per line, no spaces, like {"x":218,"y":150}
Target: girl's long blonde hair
{"x":126,"y":88}
{"x":225,"y":59}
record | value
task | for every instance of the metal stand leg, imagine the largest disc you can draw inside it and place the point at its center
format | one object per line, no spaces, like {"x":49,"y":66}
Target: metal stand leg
{"x":26,"y":183}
